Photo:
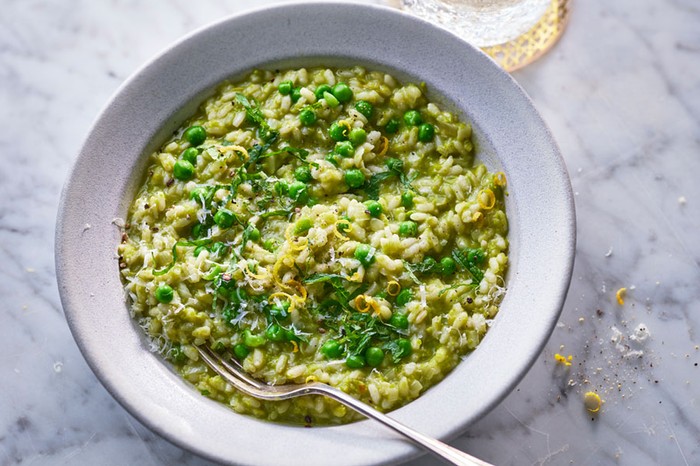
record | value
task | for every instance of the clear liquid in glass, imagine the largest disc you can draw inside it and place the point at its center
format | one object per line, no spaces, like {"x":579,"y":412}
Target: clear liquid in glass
{"x":482,"y":23}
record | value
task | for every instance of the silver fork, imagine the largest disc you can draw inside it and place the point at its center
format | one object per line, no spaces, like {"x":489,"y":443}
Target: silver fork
{"x":234,"y":374}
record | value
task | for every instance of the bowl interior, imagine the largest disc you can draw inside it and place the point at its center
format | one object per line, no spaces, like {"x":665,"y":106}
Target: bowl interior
{"x":158,"y":98}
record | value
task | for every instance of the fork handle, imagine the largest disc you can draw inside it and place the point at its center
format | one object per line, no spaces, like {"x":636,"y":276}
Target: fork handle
{"x":445,"y":452}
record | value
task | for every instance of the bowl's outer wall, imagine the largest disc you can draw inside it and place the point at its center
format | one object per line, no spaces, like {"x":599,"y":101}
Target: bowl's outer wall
{"x":160,"y":96}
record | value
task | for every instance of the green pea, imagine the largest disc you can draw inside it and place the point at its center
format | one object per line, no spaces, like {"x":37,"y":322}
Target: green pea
{"x":281,"y":188}
{"x":252,"y":341}
{"x":199,"y":192}
{"x":374,"y":208}
{"x":302,"y":226}
{"x":213,"y":272}
{"x":342,"y":92}
{"x":399,"y":320}
{"x":404,"y":347}
{"x":197,"y":231}
{"x":224,"y":218}
{"x":252,"y":233}
{"x":338,"y":132}
{"x":330,"y":100}
{"x":275,"y":333}
{"x":270,"y":244}
{"x":183,"y":170}
{"x":280,"y":310}
{"x":362,"y":254}
{"x":290,"y":335}
{"x":296,"y":94}
{"x":322,"y":89}
{"x":344,"y":148}
{"x":476,"y":255}
{"x":332,"y":159}
{"x":412,"y":118}
{"x":430,"y":265}
{"x":198,"y":250}
{"x":408,"y":228}
{"x":404,"y":297}
{"x":241,"y":351}
{"x":195,"y":135}
{"x":190,"y":154}
{"x":374,"y":356}
{"x":285,"y":87}
{"x":365,"y":108}
{"x":331,"y":349}
{"x":448,"y":265}
{"x":307,"y":117}
{"x":296,"y":189}
{"x":407,"y":199}
{"x":357,"y":136}
{"x":394,"y":164}
{"x":355,"y":361}
{"x":164,"y":294}
{"x":303,"y":173}
{"x":219,"y":249}
{"x":354,"y":178}
{"x":426,"y":132}
{"x":392,"y":126}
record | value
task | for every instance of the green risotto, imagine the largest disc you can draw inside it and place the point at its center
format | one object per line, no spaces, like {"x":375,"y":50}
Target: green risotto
{"x":317,"y":225}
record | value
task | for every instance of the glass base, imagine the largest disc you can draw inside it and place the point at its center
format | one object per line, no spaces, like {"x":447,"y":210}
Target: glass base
{"x":536,"y":42}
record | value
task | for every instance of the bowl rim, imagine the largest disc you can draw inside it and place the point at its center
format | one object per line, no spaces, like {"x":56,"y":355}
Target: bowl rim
{"x":83,"y":231}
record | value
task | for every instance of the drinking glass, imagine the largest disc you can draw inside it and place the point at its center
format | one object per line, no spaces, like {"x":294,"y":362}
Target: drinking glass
{"x":513,"y":32}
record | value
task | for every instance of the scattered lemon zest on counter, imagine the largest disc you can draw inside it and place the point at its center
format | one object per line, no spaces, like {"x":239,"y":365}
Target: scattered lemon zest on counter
{"x":592,"y":402}
{"x":565,"y":360}
{"x":620,"y":296}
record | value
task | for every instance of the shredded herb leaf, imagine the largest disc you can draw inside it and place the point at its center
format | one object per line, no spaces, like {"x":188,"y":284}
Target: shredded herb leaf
{"x":375,"y":182}
{"x":199,"y":242}
{"x":470,"y":259}
{"x":427,"y":265}
{"x":455,"y":286}
{"x":255,"y":116}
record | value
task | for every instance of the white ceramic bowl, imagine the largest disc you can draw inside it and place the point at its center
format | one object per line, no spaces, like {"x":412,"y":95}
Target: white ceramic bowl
{"x":510,"y":136}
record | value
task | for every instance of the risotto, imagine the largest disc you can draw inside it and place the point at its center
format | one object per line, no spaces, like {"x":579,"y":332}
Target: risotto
{"x":317,"y":224}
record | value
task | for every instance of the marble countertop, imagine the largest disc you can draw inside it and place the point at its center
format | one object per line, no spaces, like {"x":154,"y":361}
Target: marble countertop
{"x":621,"y":92}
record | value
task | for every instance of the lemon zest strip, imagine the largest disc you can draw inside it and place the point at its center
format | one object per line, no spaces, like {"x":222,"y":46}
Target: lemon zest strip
{"x":620,"y":296}
{"x":490,"y":200}
{"x":393,"y":288}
